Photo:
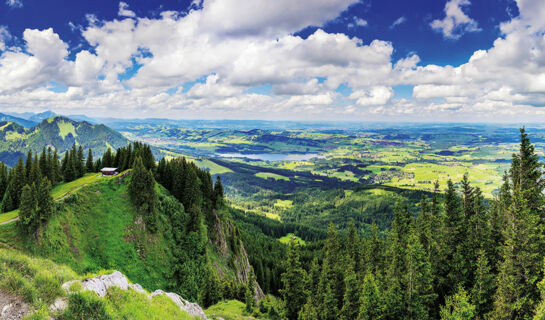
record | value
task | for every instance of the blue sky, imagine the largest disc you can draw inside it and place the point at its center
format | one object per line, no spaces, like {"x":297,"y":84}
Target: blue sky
{"x":421,"y":60}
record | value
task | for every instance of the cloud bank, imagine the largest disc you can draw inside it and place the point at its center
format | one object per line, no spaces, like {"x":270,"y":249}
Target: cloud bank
{"x":218,"y":62}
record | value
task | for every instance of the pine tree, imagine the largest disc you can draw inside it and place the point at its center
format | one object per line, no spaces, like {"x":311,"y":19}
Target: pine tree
{"x":4,"y":179}
{"x":453,"y":238}
{"x":370,"y":304}
{"x":351,"y":301}
{"x":293,"y":290}
{"x":249,"y":296}
{"x":55,"y":174}
{"x":458,"y":307}
{"x":19,"y":178}
{"x":28,"y":164}
{"x":89,"y":165}
{"x":483,"y":287}
{"x":79,"y":162}
{"x":142,"y":192}
{"x":44,"y":200}
{"x":332,"y":272}
{"x":353,"y":246}
{"x":330,"y":307}
{"x":312,"y":283}
{"x":28,"y":219}
{"x":44,"y":168}
{"x":417,"y":280}
{"x":520,"y":268}
{"x":35,"y":174}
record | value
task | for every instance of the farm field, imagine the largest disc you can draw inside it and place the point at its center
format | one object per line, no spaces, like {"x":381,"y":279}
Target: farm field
{"x":281,"y":172}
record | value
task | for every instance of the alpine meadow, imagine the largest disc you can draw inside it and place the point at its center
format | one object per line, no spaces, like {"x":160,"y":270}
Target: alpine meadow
{"x":273,"y":160}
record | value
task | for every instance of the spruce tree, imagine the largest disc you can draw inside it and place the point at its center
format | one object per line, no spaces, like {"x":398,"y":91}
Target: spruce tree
{"x":142,"y":192}
{"x":89,"y":165}
{"x":483,"y":289}
{"x":293,"y":291}
{"x":28,"y":216}
{"x":458,"y":307}
{"x":351,"y":301}
{"x":371,"y":307}
{"x":417,"y":280}
{"x":45,"y":202}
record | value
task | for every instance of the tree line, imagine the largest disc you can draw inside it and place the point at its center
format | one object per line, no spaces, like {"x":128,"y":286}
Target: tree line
{"x":461,"y":257}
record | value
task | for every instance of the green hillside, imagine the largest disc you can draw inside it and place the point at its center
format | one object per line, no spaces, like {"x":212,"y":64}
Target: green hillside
{"x":96,"y":226}
{"x":57,"y":132}
{"x":35,"y":283}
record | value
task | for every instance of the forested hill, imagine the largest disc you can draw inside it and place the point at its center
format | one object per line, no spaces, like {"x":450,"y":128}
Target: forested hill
{"x":58,"y":132}
{"x":165,"y":227}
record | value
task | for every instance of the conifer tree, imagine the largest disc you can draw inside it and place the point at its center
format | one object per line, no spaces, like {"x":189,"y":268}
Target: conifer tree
{"x":330,"y":307}
{"x":332,"y":272}
{"x":417,"y":280}
{"x":44,"y":168}
{"x":28,"y":164}
{"x":293,"y":291}
{"x":351,"y":301}
{"x":312,"y":283}
{"x":4,"y":179}
{"x":44,"y":200}
{"x":371,"y":307}
{"x":90,"y":164}
{"x":483,"y":289}
{"x":28,"y":216}
{"x":142,"y":192}
{"x":458,"y":307}
{"x":519,"y":270}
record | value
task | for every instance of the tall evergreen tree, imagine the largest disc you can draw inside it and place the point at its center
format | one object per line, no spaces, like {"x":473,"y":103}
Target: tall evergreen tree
{"x":142,"y":192}
{"x":90,"y":164}
{"x":371,"y":307}
{"x":293,"y":291}
{"x":458,"y":307}
{"x":351,"y":301}
{"x":28,"y":215}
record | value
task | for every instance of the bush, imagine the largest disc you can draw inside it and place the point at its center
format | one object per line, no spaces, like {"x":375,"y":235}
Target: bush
{"x":85,"y":305}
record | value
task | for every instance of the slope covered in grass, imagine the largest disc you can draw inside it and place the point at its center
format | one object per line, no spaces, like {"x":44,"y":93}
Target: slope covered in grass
{"x":97,"y":227}
{"x":36,"y":283}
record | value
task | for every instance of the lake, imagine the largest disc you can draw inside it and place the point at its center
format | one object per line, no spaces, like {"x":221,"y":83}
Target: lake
{"x":272,"y":156}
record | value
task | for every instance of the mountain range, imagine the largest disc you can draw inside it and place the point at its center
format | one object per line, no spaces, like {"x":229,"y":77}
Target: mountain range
{"x":57,"y":132}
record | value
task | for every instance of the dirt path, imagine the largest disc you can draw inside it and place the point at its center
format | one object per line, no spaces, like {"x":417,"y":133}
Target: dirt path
{"x":9,"y":221}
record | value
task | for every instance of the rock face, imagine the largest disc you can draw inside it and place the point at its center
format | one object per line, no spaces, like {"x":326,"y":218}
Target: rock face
{"x":191,"y":308}
{"x":100,"y":286}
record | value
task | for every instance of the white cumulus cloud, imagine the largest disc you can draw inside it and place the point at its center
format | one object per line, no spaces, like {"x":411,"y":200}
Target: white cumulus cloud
{"x":456,"y":22}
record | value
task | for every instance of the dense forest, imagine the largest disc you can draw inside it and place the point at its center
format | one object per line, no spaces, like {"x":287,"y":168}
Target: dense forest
{"x":461,"y":257}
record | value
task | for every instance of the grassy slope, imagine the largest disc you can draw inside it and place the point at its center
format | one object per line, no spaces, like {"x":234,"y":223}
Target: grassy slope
{"x":97,"y":228}
{"x":228,"y":310}
{"x":38,"y":282}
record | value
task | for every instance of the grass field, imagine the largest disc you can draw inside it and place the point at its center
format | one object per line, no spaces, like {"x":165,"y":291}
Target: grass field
{"x":287,"y":239}
{"x":63,"y":189}
{"x":8,"y":216}
{"x":228,"y":310}
{"x":267,"y":175}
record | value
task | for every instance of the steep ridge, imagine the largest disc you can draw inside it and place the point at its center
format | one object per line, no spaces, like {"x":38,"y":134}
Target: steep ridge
{"x":97,"y":227}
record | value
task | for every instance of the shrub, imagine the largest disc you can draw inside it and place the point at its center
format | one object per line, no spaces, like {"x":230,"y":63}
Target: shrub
{"x":85,"y":305}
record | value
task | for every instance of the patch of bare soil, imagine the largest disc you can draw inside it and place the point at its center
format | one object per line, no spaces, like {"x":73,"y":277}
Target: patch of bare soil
{"x":12,"y":307}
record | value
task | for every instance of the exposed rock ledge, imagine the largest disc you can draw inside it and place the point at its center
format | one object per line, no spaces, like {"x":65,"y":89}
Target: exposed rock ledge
{"x":100,"y":285}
